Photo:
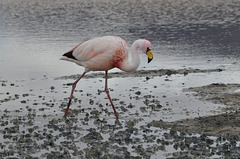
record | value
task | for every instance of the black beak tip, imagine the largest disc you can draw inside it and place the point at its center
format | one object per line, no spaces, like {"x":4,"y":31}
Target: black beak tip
{"x":149,"y":60}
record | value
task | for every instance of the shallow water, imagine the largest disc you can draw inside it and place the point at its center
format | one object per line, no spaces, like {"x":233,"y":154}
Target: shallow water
{"x":186,"y":34}
{"x":34,"y":34}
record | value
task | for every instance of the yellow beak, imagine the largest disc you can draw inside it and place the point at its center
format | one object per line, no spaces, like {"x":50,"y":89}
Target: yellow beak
{"x":150,"y":55}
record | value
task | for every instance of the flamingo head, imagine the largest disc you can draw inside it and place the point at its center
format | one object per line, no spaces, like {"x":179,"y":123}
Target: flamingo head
{"x":146,"y":48}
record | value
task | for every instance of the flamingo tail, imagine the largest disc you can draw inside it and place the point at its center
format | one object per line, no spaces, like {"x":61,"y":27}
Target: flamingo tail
{"x":70,"y":55}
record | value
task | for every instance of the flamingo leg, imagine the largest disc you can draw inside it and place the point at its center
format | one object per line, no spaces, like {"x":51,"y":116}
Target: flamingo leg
{"x":107,"y":91}
{"x":73,"y":87}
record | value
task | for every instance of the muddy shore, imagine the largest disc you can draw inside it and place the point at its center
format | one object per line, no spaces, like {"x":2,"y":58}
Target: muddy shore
{"x":92,"y":132}
{"x":225,"y":126}
{"x":144,"y":73}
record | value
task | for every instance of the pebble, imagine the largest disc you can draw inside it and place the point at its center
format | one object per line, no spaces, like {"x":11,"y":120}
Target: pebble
{"x":138,"y":93}
{"x":92,"y":137}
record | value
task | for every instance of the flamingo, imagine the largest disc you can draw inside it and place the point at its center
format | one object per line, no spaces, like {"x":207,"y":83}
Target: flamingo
{"x":105,"y":53}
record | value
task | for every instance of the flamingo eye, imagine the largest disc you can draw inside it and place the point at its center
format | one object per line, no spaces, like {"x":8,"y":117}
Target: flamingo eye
{"x":148,"y":49}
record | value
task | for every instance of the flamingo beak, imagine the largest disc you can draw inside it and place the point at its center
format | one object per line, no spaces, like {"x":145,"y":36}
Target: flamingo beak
{"x":149,"y":54}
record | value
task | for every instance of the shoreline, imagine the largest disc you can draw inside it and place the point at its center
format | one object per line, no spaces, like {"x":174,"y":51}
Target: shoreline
{"x":142,"y":73}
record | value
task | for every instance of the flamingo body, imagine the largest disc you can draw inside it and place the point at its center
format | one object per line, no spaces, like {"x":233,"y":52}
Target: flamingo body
{"x":105,"y":53}
{"x":100,"y":54}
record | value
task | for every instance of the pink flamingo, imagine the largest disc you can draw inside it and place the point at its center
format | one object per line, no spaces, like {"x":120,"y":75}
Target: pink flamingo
{"x":105,"y":53}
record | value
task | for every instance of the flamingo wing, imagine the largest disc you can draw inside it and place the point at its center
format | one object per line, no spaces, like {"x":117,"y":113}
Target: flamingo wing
{"x":98,"y":53}
{"x":94,"y":47}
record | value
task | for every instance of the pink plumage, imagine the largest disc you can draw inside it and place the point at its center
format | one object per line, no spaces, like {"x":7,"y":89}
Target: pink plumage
{"x":105,"y":53}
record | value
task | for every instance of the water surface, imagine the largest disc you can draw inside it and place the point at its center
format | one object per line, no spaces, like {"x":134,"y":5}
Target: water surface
{"x":34,"y":33}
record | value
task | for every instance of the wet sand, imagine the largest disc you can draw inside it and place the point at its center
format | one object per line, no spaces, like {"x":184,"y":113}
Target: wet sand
{"x":33,"y":126}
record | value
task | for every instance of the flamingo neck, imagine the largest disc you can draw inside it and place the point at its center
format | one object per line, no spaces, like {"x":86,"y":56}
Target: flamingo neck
{"x":132,"y":62}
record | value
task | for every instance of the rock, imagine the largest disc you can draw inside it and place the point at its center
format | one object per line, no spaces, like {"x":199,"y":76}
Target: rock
{"x":138,"y":93}
{"x":92,"y":137}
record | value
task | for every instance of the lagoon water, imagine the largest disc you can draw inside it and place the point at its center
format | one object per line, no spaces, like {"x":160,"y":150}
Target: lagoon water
{"x":35,"y":33}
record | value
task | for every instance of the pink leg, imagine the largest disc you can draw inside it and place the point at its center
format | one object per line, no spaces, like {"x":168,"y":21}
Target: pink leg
{"x":107,"y":91}
{"x":73,"y":87}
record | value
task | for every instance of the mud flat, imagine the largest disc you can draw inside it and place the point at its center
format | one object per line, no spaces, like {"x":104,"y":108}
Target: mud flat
{"x":225,"y":127}
{"x":225,"y":124}
{"x":33,"y":126}
{"x":219,"y":93}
